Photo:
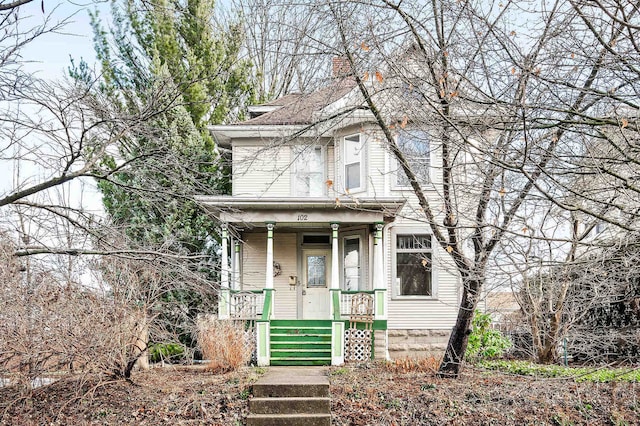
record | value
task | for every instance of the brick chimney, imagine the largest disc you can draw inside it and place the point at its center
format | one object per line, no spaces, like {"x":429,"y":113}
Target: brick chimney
{"x":341,"y":67}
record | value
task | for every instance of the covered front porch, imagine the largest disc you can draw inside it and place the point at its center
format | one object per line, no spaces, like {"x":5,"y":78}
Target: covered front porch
{"x":306,"y":279}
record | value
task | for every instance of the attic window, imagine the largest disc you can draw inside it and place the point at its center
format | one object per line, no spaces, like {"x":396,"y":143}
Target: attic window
{"x":258,"y":110}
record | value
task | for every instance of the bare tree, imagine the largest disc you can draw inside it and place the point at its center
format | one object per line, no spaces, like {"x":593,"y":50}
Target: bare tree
{"x":58,"y":138}
{"x":10,"y":5}
{"x":585,"y":305}
{"x":513,"y":98}
{"x":277,"y":41}
{"x":145,"y":290}
{"x":45,"y":323}
{"x":539,"y":267}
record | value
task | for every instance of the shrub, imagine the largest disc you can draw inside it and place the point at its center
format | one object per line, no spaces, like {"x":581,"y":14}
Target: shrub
{"x":167,"y":352}
{"x":579,"y":374}
{"x":485,"y":342}
{"x":224,"y":344}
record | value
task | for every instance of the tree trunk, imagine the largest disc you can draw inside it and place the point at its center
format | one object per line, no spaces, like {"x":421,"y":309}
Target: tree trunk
{"x":452,"y":361}
{"x":138,"y":346}
{"x":547,"y":354}
{"x":141,"y":346}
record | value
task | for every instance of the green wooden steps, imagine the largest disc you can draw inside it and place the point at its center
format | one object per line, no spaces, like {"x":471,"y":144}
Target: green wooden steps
{"x":300,"y":342}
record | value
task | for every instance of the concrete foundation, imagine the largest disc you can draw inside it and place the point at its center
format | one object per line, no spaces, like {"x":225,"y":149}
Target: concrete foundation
{"x":417,"y":343}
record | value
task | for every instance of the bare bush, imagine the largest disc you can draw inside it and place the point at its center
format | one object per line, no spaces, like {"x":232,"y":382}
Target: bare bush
{"x":224,"y":344}
{"x":52,"y":328}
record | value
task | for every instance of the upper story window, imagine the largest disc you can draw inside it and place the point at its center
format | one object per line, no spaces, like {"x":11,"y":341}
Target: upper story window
{"x":414,"y":144}
{"x":308,"y":178}
{"x":353,"y":163}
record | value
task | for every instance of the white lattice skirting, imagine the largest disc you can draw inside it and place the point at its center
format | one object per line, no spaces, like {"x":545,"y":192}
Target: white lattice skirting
{"x":250,"y":344}
{"x":358,"y":344}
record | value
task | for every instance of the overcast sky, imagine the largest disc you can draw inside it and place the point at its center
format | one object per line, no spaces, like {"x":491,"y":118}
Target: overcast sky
{"x":48,"y":57}
{"x":50,"y":54}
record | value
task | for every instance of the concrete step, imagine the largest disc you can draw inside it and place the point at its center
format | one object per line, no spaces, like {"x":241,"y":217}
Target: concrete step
{"x":281,"y":390}
{"x":290,"y":405}
{"x":300,"y":362}
{"x":291,"y":396}
{"x":289,"y":420}
{"x":301,"y":345}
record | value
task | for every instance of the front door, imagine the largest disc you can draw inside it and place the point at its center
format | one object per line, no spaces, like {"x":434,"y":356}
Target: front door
{"x":316,"y":281}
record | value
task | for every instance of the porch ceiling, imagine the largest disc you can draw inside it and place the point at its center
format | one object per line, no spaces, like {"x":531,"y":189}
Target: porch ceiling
{"x":301,"y":211}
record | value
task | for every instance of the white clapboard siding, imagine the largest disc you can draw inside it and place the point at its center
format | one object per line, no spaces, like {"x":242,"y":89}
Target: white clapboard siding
{"x":261,"y":170}
{"x":331,"y":171}
{"x":375,"y":164}
{"x":254,"y":265}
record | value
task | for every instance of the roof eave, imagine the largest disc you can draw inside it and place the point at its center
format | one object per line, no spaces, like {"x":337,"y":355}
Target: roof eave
{"x":392,"y":205}
{"x":224,"y":134}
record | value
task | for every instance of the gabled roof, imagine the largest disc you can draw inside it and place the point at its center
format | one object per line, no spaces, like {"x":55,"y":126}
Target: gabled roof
{"x":298,"y":108}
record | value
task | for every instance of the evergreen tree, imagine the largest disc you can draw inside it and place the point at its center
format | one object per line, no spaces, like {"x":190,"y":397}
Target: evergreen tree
{"x":178,"y":49}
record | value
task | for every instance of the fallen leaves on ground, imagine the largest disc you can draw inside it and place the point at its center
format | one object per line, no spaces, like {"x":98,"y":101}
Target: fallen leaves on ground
{"x":373,"y":394}
{"x":161,"y":396}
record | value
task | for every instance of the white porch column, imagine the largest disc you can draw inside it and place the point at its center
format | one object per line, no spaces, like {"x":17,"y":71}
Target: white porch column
{"x":224,"y":262}
{"x":335,"y":259}
{"x":334,"y":289}
{"x":224,"y":296}
{"x":379,"y":286}
{"x":378,"y":258}
{"x":269,"y":269}
{"x":236,"y":266}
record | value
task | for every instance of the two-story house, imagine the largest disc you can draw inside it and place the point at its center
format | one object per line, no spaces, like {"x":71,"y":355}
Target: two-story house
{"x":322,"y":234}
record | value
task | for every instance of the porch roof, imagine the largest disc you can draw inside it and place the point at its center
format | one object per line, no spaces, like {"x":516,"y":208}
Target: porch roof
{"x":308,"y":210}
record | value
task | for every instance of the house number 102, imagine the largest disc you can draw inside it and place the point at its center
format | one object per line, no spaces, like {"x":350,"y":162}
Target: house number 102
{"x":302,"y":217}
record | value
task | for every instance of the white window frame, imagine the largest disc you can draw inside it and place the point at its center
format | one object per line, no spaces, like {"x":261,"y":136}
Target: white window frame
{"x":399,"y":171}
{"x":402,"y":231}
{"x":361,"y":161}
{"x":600,"y":227}
{"x":294,"y":168}
{"x":363,"y":285}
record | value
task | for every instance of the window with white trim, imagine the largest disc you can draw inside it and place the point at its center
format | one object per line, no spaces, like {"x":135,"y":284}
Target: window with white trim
{"x":413,"y":265}
{"x":352,"y":268}
{"x":414,"y":144}
{"x":353,"y":163}
{"x":308,"y":171}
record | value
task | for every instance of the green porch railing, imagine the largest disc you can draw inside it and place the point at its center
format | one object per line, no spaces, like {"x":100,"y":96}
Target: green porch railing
{"x":335,"y":303}
{"x":267,"y":309}
{"x":263,"y":337}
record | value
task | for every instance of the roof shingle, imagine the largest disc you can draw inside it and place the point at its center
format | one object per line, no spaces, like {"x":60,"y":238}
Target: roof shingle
{"x":300,"y":108}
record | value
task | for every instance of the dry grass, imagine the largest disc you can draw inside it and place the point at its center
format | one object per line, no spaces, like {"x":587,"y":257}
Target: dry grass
{"x":223,"y":343}
{"x":404,"y":365}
